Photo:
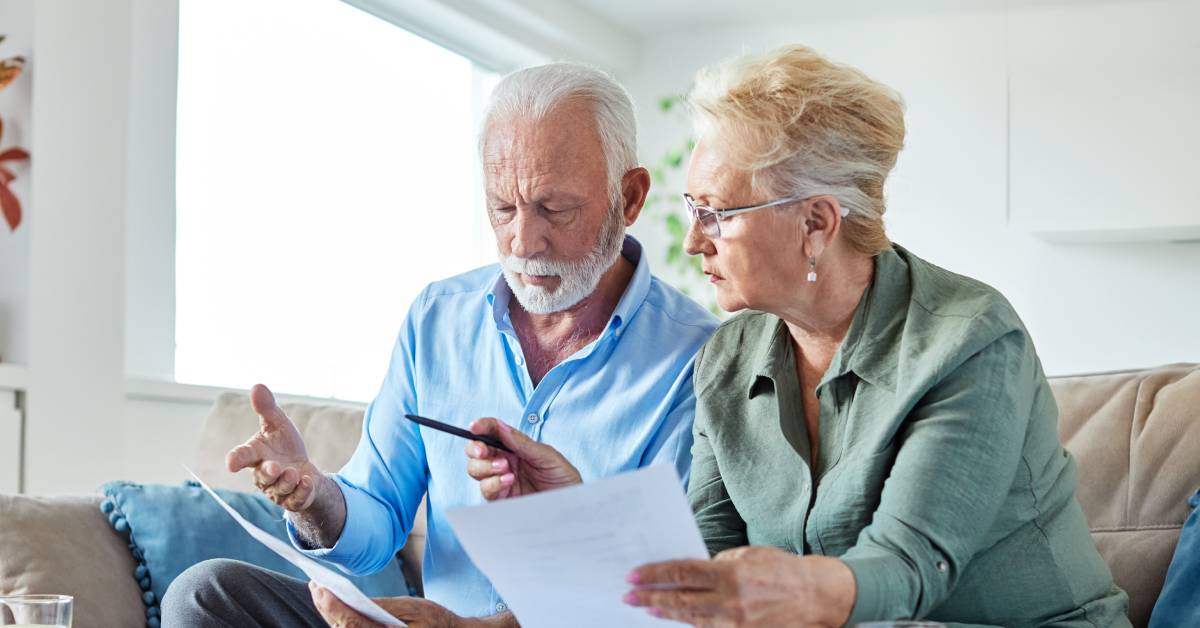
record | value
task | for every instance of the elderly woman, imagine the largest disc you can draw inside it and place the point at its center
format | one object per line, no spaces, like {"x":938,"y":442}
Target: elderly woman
{"x":874,"y":436}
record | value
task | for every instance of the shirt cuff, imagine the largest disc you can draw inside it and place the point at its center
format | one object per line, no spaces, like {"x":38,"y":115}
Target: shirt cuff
{"x":878,"y":579}
{"x":353,"y":545}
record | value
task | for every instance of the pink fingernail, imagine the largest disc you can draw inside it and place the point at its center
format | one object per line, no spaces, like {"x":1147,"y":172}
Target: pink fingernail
{"x":654,"y":611}
{"x":497,"y":464}
{"x":634,"y":578}
{"x":507,"y":478}
{"x":630,"y":598}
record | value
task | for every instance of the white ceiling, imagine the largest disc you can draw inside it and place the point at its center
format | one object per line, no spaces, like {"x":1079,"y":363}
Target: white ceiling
{"x":647,"y":17}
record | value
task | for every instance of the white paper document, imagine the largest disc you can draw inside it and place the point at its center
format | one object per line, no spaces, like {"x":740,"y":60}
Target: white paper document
{"x":338,"y":584}
{"x":560,"y":558}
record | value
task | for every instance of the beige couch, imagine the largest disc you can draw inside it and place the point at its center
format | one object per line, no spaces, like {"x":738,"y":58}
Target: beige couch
{"x":1136,"y":436}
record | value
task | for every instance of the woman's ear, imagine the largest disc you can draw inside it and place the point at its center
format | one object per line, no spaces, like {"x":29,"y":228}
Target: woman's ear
{"x":822,"y":222}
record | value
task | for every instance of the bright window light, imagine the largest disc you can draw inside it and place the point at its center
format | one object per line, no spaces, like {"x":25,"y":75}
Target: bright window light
{"x":326,"y":172}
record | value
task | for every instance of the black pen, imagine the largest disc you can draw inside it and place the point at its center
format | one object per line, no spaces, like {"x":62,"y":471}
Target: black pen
{"x":458,"y":431}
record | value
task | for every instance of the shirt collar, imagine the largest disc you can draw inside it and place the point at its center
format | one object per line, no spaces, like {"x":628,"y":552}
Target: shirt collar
{"x":635,"y":293}
{"x":873,"y":340}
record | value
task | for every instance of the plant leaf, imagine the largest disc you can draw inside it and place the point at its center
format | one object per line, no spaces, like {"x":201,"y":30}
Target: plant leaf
{"x":14,"y":154}
{"x":10,"y":69}
{"x":10,"y":207}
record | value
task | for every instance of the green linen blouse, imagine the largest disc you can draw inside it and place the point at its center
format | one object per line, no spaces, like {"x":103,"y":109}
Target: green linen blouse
{"x":939,"y":479}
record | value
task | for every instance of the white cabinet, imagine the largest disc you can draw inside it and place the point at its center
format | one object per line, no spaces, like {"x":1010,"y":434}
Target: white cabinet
{"x":1105,"y":121}
{"x":12,"y":381}
{"x":10,"y":442}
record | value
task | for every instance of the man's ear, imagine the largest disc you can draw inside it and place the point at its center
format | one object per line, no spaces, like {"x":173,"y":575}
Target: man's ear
{"x":635,"y":185}
{"x":822,"y":222}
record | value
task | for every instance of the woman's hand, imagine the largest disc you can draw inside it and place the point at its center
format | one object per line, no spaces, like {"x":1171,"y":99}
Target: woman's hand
{"x":414,"y":611}
{"x":747,"y":586}
{"x":531,"y":467}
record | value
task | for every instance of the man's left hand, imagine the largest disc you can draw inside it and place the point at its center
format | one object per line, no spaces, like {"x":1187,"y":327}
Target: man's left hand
{"x":414,"y":611}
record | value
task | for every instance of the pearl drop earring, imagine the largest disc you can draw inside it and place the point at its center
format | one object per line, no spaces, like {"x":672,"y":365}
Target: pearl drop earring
{"x":812,"y":269}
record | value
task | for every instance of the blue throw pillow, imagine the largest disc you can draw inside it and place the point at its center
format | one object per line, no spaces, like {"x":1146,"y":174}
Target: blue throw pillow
{"x":171,"y":528}
{"x":1179,"y":602}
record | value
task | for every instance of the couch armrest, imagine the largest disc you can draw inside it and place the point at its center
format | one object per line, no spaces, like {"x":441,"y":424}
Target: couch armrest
{"x":66,"y":546}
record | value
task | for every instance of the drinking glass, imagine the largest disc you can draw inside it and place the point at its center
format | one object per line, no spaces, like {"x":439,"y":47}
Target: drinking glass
{"x":36,"y":611}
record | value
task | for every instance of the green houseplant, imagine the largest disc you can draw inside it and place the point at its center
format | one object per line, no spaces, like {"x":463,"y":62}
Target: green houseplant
{"x":664,"y":206}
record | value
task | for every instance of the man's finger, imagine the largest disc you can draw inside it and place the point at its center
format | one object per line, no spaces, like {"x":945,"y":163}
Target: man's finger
{"x":334,"y":610}
{"x":270,"y":415}
{"x":287,"y":482}
{"x":266,"y":474}
{"x":242,"y":456}
{"x":301,"y":498}
{"x":688,"y":574}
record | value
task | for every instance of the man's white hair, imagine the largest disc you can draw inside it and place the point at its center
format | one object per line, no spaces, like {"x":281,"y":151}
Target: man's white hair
{"x":534,"y":92}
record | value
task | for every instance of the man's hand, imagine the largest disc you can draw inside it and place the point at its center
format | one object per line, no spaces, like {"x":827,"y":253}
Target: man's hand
{"x":414,"y":611}
{"x":531,"y":467}
{"x":276,"y":453}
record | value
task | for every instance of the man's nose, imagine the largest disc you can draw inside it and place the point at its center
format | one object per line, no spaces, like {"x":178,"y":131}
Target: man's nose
{"x":528,"y":233}
{"x":695,"y":242}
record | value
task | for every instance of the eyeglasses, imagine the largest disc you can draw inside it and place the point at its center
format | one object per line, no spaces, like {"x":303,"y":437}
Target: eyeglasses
{"x":710,"y":219}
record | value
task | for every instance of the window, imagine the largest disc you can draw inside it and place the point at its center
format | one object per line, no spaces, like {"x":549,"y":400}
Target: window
{"x":326,"y":172}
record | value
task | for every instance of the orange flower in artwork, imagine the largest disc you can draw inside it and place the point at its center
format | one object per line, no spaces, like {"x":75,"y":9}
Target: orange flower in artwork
{"x":10,"y":206}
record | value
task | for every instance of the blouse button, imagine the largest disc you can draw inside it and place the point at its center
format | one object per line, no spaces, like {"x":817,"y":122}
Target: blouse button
{"x":942,"y":566}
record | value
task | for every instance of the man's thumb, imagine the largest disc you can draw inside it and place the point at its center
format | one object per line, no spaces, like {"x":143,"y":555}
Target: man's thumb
{"x":270,"y":415}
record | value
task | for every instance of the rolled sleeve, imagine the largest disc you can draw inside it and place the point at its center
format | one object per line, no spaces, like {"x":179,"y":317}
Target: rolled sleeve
{"x":360,"y":550}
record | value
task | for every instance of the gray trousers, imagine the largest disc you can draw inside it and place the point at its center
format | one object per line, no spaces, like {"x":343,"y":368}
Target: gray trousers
{"x":225,"y":593}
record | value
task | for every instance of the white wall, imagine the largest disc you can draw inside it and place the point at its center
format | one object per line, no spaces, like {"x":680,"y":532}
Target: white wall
{"x":1090,"y":307}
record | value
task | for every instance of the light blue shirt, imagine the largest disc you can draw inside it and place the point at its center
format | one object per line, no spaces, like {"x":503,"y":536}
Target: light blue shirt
{"x":623,"y":402}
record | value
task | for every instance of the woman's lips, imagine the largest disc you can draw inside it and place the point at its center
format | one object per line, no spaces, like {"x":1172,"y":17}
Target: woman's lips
{"x":713,"y":277}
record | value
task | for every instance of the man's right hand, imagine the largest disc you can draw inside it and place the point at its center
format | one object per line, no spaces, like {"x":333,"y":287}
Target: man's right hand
{"x":282,"y":470}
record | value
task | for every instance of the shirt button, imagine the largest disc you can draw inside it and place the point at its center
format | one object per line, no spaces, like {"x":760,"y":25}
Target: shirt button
{"x":942,"y":566}
{"x":532,"y":418}
{"x":501,"y":607}
{"x":520,"y":360}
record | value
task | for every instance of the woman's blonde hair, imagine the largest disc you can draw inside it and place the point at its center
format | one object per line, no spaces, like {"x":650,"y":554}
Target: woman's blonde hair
{"x":805,"y":126}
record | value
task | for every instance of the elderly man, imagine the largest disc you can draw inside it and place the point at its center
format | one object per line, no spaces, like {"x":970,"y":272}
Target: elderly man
{"x":570,"y":339}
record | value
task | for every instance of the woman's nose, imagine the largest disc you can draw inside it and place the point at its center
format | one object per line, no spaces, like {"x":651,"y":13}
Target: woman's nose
{"x":695,"y":242}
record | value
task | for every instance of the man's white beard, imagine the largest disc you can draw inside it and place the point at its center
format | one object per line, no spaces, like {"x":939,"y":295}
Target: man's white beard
{"x":577,"y":279}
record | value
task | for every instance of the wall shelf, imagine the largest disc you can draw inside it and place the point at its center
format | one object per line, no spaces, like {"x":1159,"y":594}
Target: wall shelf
{"x":1182,"y":234}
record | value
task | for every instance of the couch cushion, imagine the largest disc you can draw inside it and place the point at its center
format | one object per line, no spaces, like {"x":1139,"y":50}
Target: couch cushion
{"x":331,"y":433}
{"x":171,"y":528}
{"x":65,"y":545}
{"x":1136,"y":438}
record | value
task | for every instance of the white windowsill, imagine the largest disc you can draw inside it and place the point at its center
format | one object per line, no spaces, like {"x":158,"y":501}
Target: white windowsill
{"x":144,"y":389}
